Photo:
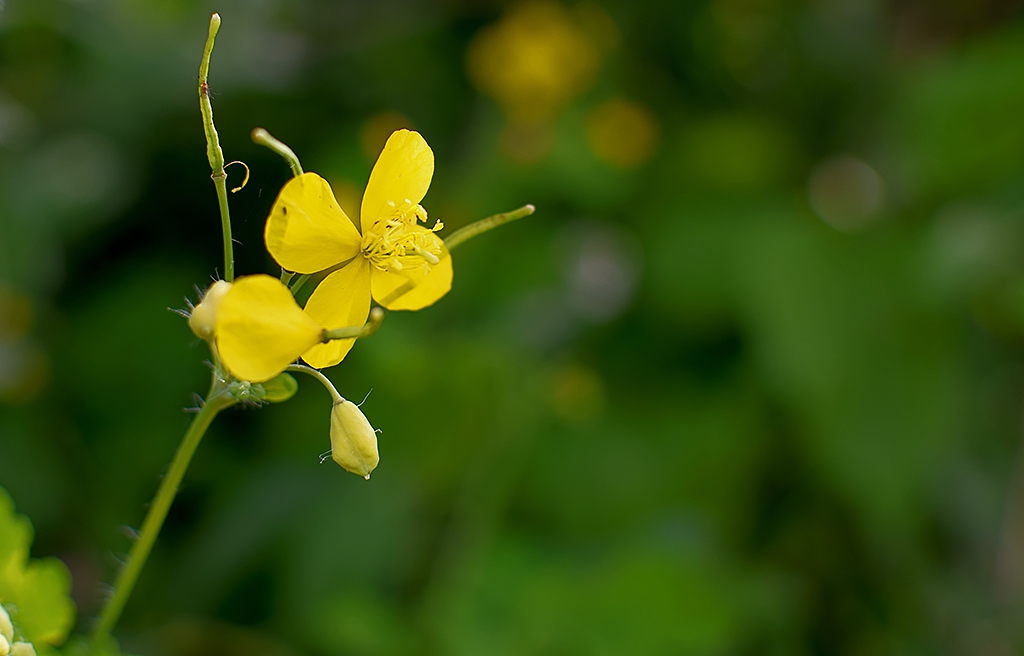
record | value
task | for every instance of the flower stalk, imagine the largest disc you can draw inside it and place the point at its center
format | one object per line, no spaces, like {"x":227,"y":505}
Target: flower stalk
{"x":349,"y":332}
{"x":467,"y":232}
{"x":218,"y":399}
{"x":264,"y":138}
{"x":324,"y":380}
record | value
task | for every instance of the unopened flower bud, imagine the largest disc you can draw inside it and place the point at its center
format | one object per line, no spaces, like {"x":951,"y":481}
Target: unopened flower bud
{"x":353,"y":440}
{"x":22,"y":649}
{"x":6,"y":628}
{"x":204,"y":315}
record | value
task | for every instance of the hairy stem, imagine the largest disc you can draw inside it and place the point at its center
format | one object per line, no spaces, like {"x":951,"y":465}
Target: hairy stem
{"x":219,"y":399}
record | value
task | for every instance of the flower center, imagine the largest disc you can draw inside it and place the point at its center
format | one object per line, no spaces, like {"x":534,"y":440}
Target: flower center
{"x":397,"y":242}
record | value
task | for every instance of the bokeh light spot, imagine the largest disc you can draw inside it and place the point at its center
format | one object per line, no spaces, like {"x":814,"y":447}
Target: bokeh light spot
{"x":377,"y":129}
{"x":526,"y":143}
{"x":622,"y":132}
{"x":845,"y":193}
{"x":602,"y":269}
{"x":578,"y":394}
{"x":15,"y":313}
{"x":533,"y":61}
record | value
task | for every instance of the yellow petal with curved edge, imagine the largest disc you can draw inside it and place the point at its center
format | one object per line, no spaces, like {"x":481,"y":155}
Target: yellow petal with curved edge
{"x":413,"y":289}
{"x":307,"y":231}
{"x":342,"y":299}
{"x":261,"y":329}
{"x":402,"y":172}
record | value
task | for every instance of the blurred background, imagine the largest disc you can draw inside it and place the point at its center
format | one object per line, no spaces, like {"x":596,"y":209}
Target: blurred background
{"x":749,"y":382}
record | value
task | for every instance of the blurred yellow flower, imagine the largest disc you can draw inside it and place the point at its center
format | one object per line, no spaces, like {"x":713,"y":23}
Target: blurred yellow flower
{"x":260,"y":328}
{"x":622,"y":133}
{"x":402,"y":264}
{"x":533,"y":61}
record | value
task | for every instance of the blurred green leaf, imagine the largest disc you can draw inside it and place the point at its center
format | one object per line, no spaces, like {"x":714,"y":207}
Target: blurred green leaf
{"x":35,"y":592}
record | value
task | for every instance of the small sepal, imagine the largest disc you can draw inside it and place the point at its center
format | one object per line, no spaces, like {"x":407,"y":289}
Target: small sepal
{"x":279,"y":389}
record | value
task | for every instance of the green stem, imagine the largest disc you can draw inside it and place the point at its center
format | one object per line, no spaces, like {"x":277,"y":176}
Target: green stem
{"x":225,"y":224}
{"x":353,"y":332}
{"x":264,"y":138}
{"x":301,"y":368}
{"x":213,"y":150}
{"x":299,"y":282}
{"x":465,"y":233}
{"x":126,"y":578}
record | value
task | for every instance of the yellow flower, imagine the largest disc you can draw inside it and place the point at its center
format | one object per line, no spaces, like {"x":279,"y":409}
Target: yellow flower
{"x":402,"y":264}
{"x":260,"y":328}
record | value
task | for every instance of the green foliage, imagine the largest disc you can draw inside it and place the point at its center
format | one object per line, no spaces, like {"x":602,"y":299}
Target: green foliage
{"x":783,"y":439}
{"x":34,"y":592}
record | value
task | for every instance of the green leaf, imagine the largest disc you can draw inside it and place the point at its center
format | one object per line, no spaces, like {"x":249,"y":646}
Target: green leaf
{"x":34,"y":592}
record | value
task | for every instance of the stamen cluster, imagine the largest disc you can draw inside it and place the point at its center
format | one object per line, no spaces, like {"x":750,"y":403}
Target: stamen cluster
{"x":394,"y":244}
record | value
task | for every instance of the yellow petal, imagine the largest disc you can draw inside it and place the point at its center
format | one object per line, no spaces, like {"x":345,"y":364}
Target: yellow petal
{"x":307,"y":230}
{"x":413,"y":289}
{"x":402,"y":173}
{"x":342,"y":299}
{"x":261,"y":329}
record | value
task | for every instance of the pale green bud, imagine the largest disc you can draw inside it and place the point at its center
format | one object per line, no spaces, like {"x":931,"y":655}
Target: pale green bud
{"x":5,"y":647}
{"x":203,"y":319}
{"x":353,"y":440}
{"x":22,"y":649}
